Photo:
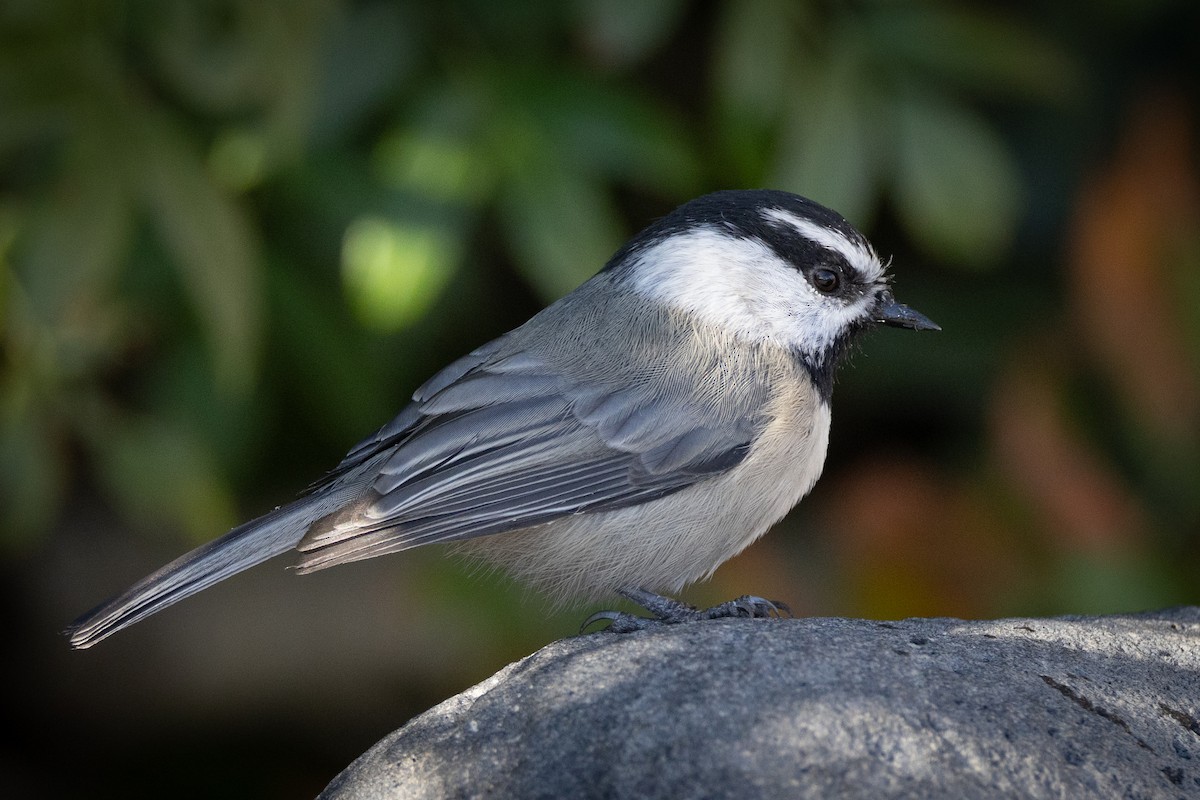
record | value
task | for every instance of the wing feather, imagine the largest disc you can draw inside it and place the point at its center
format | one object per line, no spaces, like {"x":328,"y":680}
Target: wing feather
{"x":511,"y":437}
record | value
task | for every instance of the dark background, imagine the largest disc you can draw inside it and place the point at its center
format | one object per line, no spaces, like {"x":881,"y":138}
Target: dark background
{"x":235,"y":235}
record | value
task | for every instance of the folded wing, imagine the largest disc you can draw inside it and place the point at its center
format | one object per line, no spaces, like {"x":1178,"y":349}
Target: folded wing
{"x":504,"y":440}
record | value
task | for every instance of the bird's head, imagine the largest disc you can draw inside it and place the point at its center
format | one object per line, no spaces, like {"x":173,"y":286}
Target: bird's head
{"x":767,"y":266}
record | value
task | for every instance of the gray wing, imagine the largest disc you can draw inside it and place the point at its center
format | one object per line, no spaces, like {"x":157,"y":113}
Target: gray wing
{"x":503,"y":440}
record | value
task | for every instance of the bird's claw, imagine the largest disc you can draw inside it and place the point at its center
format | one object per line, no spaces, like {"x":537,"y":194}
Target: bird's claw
{"x":611,"y":616}
{"x":748,"y":606}
{"x":621,"y":622}
{"x":668,"y":611}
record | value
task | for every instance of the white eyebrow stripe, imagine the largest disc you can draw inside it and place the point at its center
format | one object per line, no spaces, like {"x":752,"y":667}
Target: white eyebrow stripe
{"x":858,"y":255}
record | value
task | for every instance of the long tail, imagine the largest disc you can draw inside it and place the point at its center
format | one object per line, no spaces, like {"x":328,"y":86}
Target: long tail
{"x":242,"y":548}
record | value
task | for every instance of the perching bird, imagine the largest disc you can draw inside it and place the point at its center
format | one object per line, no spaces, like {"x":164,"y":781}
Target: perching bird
{"x":629,"y":438}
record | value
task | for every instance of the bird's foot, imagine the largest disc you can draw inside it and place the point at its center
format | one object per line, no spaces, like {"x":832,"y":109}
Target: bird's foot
{"x":748,"y":605}
{"x":669,"y":611}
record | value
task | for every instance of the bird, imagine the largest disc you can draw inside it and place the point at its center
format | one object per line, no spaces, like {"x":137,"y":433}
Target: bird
{"x":625,"y":441}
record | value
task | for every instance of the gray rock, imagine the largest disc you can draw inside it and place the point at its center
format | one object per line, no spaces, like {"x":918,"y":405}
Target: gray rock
{"x":925,"y":708}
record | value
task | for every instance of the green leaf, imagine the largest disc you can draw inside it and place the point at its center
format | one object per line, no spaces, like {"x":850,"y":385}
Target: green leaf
{"x":76,"y":239}
{"x":213,"y":244}
{"x":829,"y":149}
{"x":331,"y":371}
{"x":215,"y":55}
{"x":432,"y":164}
{"x":756,"y":57}
{"x":159,"y":473}
{"x":758,"y":54}
{"x":584,"y":127}
{"x":561,"y":227}
{"x":238,"y":158}
{"x":395,"y":269}
{"x":621,"y":33}
{"x":974,"y":48}
{"x":369,"y":49}
{"x":957,"y":189}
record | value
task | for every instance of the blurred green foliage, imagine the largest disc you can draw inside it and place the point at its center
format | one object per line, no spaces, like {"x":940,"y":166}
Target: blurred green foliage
{"x":234,"y":234}
{"x":151,"y":133}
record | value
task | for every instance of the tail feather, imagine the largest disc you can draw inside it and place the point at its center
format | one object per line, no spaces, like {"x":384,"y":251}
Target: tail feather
{"x":242,"y":548}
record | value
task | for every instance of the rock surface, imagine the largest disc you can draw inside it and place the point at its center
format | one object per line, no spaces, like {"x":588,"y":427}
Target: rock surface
{"x":922,"y":708}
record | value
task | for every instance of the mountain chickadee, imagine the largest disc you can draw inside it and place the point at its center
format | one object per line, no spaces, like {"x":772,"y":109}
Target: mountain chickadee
{"x":629,"y":438}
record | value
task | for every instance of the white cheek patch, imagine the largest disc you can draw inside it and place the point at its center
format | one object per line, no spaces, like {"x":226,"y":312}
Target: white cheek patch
{"x":743,"y":287}
{"x":858,"y":254}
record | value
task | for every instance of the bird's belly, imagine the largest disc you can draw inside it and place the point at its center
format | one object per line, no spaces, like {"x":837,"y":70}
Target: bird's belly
{"x":665,"y":544}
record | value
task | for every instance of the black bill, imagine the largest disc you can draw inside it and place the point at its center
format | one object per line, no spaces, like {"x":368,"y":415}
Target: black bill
{"x":898,"y":315}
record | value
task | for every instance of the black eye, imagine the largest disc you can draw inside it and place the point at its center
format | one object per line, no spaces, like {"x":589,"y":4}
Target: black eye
{"x":826,"y":280}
